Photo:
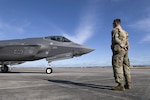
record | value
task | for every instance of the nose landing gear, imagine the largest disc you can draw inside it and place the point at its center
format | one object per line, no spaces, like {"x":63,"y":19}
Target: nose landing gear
{"x":49,"y":70}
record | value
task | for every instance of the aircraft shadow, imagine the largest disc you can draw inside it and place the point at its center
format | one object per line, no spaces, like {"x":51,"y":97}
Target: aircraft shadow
{"x":82,"y":84}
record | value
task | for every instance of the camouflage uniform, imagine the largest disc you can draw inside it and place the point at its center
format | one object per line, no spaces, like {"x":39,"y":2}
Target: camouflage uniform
{"x":120,"y":60}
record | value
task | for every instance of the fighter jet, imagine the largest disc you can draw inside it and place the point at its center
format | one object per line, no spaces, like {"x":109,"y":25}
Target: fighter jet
{"x":18,"y":51}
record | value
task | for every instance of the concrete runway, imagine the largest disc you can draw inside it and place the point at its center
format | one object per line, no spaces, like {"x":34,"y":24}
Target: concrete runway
{"x":71,"y":84}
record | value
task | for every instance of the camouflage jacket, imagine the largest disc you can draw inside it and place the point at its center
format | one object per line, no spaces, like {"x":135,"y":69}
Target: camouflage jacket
{"x":120,"y":38}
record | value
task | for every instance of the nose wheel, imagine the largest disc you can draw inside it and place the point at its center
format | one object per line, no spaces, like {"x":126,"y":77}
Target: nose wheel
{"x":49,"y":70}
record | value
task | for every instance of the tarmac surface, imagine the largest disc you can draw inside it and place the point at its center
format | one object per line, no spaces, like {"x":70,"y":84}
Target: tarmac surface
{"x":71,"y":84}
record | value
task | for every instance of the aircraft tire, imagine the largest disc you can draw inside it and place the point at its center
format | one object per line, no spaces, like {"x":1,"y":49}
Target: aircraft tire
{"x":49,"y":70}
{"x":4,"y":69}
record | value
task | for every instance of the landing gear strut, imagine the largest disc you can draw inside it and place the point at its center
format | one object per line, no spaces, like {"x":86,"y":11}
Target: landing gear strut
{"x":4,"y":68}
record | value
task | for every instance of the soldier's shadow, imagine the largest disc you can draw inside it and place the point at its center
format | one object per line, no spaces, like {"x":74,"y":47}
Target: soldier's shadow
{"x":81,"y":84}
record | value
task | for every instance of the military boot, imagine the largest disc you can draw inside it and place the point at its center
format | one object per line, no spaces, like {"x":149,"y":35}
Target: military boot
{"x":120,"y":87}
{"x":127,"y":86}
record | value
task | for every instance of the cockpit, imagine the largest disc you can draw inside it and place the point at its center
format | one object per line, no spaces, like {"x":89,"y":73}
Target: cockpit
{"x":57,"y":38}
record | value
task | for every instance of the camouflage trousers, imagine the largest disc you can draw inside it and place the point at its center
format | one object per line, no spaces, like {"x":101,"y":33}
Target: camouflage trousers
{"x":121,"y":67}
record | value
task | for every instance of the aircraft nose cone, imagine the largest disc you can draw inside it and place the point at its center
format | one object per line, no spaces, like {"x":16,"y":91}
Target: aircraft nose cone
{"x":87,"y":50}
{"x":82,"y":50}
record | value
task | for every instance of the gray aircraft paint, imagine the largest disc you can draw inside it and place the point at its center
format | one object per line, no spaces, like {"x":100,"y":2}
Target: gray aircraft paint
{"x":52,"y":48}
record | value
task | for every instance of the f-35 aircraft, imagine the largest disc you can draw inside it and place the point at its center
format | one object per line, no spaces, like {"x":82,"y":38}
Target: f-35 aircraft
{"x":52,"y":48}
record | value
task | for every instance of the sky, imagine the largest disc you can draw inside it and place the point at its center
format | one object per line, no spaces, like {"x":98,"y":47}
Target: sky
{"x":87,"y":22}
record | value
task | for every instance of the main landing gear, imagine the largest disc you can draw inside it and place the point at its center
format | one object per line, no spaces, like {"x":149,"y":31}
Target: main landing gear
{"x":4,"y":68}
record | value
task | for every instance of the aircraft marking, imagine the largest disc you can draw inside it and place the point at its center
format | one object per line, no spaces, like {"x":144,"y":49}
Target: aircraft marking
{"x":18,"y":51}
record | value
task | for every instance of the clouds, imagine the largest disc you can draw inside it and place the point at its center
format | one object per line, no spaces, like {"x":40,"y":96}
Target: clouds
{"x":86,"y":27}
{"x":9,"y":27}
{"x":12,"y":29}
{"x":84,"y":31}
{"x":142,"y":22}
{"x":146,"y":39}
{"x":140,"y":52}
{"x":143,"y":25}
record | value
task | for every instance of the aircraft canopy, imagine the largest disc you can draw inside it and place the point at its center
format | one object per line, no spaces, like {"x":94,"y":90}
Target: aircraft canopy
{"x":58,"y":38}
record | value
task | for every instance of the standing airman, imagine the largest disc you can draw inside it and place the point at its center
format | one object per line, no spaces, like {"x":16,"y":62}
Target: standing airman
{"x":120,"y":60}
